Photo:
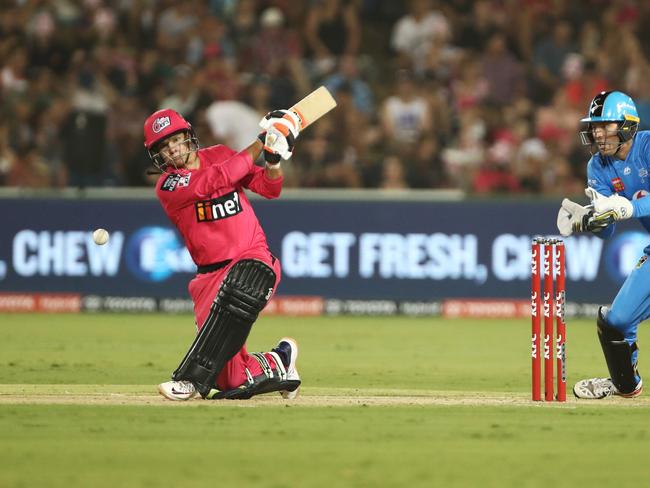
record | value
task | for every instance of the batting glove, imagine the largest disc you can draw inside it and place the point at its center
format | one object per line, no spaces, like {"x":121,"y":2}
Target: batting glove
{"x":277,"y":145}
{"x":285,"y":121}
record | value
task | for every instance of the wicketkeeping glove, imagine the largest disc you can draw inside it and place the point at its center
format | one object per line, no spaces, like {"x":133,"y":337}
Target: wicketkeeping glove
{"x":610,"y":208}
{"x":572,"y":217}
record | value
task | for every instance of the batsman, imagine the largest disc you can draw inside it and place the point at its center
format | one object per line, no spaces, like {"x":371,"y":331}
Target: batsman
{"x":202,"y":192}
{"x":618,"y":179}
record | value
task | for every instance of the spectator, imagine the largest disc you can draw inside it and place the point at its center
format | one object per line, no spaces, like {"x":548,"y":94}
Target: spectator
{"x":7,"y":156}
{"x":210,"y":38}
{"x":243,"y":28}
{"x":405,"y":116}
{"x":495,"y":175}
{"x":413,"y":33}
{"x":235,"y":123}
{"x":393,"y":174}
{"x":463,"y":157}
{"x":321,"y":163}
{"x":125,"y":152}
{"x":73,"y":74}
{"x":477,"y":26}
{"x":219,"y":75}
{"x":550,"y":54}
{"x":642,"y":98}
{"x":502,"y":72}
{"x":28,"y":170}
{"x":332,"y":30}
{"x":348,"y":74}
{"x":470,"y":88}
{"x":175,"y":25}
{"x":583,"y":79}
{"x":277,"y":52}
{"x":84,"y":130}
{"x":48,"y":140}
{"x":185,"y":93}
{"x":13,"y":77}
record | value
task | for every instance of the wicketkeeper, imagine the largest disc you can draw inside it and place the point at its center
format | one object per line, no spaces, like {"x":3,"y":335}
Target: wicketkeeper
{"x":202,"y":193}
{"x":618,"y":177}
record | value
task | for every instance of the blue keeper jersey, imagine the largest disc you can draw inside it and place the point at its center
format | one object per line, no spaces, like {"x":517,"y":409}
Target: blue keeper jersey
{"x":629,"y":178}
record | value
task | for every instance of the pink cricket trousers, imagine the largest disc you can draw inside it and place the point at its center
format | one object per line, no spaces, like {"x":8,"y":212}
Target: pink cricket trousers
{"x":203,"y":290}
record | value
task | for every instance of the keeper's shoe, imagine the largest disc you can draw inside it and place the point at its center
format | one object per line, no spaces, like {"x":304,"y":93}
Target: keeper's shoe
{"x":288,"y":348}
{"x":597,"y":388}
{"x":177,"y":390}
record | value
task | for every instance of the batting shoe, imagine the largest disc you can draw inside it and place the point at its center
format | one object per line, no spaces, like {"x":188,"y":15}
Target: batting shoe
{"x":287,"y":348}
{"x":597,"y":388}
{"x":177,"y":390}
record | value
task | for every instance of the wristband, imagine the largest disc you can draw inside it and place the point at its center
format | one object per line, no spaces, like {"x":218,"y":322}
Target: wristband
{"x":273,"y":165}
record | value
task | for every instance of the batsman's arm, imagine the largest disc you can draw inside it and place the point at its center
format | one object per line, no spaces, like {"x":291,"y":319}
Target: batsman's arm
{"x":272,"y":168}
{"x":255,"y":149}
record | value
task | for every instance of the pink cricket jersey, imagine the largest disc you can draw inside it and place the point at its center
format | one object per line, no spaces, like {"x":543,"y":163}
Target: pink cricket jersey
{"x":209,"y":208}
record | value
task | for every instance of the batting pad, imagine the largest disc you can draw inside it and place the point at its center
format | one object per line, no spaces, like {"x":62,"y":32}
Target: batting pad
{"x":242,"y":296}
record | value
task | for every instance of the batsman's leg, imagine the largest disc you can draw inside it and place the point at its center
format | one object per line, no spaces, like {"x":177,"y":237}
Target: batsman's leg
{"x":243,"y":294}
{"x":279,"y":373}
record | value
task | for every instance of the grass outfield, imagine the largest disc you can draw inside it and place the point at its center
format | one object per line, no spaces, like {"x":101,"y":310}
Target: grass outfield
{"x":385,"y":402}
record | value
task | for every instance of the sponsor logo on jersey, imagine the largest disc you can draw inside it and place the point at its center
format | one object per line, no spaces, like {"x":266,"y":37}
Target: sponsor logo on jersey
{"x":627,"y":170}
{"x":175,"y":181}
{"x":618,"y":185}
{"x":643,"y":173}
{"x":160,"y":123}
{"x":218,"y":208}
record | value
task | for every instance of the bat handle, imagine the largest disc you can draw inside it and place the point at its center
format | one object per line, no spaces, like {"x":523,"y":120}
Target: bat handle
{"x":270,"y":139}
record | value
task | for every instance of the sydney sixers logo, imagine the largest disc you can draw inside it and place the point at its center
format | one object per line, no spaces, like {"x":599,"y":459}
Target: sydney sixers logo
{"x":160,"y":123}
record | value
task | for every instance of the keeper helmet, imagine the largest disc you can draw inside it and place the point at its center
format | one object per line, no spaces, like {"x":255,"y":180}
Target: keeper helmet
{"x":161,"y":125}
{"x":611,"y":106}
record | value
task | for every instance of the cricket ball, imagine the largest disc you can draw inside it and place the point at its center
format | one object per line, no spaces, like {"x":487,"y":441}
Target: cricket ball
{"x":100,"y":236}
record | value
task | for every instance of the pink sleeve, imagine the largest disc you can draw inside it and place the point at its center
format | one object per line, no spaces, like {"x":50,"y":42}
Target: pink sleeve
{"x":234,"y":169}
{"x":261,"y":184}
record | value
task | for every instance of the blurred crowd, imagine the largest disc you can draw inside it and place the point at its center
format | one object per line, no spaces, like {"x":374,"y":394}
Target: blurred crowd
{"x":480,"y":95}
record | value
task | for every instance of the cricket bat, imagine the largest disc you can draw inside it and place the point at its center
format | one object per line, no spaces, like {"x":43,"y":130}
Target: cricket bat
{"x":313,"y":106}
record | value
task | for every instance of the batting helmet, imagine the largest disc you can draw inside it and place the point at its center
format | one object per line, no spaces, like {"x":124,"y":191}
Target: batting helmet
{"x":612,"y":106}
{"x":162,"y":124}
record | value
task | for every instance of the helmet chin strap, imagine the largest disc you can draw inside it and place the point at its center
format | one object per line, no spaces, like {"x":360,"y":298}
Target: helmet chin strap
{"x":621,"y":142}
{"x":594,"y":149}
{"x":185,"y":155}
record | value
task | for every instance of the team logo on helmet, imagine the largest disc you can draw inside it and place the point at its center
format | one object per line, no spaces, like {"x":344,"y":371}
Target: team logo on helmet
{"x":160,"y":123}
{"x":596,"y":106}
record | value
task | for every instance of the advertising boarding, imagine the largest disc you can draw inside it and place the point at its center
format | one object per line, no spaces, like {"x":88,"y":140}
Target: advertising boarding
{"x":386,"y":251}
